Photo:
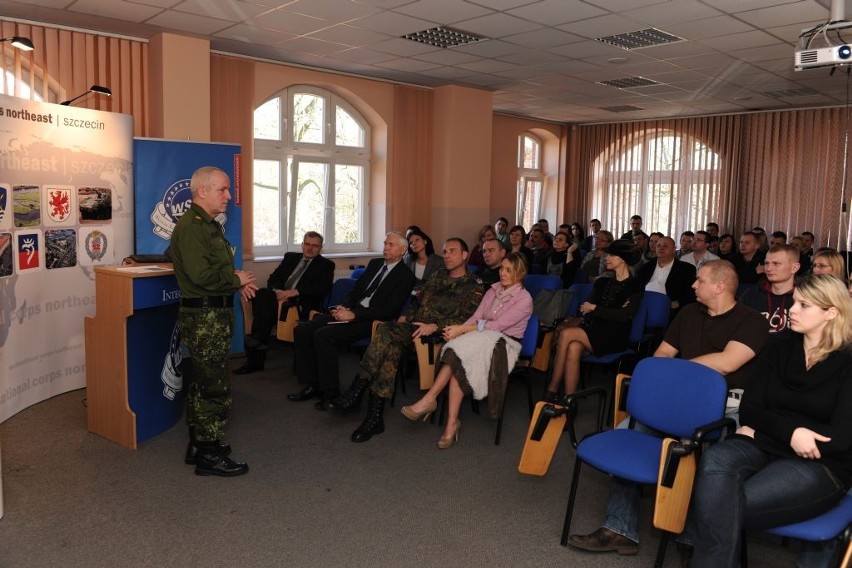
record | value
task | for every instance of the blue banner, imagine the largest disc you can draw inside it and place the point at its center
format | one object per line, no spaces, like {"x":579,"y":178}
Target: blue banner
{"x":162,"y":170}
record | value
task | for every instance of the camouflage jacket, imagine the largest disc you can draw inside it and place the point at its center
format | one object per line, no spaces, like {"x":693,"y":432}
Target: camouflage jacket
{"x":446,"y":301}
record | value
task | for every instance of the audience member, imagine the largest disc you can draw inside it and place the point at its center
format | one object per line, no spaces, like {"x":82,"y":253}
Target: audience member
{"x":606,"y":323}
{"x":480,"y":353}
{"x":594,"y":263}
{"x":493,"y":253}
{"x":517,"y":243}
{"x":563,"y":259}
{"x":501,"y":229}
{"x":700,"y":254}
{"x":449,"y":297}
{"x":635,"y":226}
{"x":829,"y":262}
{"x":773,"y":296}
{"x":685,"y":244}
{"x":544,"y":225}
{"x":712,"y":229}
{"x":578,"y":236}
{"x":538,"y":248}
{"x":485,"y":233}
{"x":594,"y":227}
{"x":653,"y":239}
{"x":641,"y":241}
{"x":727,"y":248}
{"x":777,"y":238}
{"x":791,"y":459}
{"x":379,"y":294}
{"x":303,"y":280}
{"x":421,"y":257}
{"x":762,"y":239}
{"x":749,"y":260}
{"x":716,"y":332}
{"x":809,"y":242}
{"x":804,"y":260}
{"x":668,"y":276}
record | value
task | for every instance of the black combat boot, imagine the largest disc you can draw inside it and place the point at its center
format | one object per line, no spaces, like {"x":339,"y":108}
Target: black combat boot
{"x":255,"y":359}
{"x":350,"y":401}
{"x":192,"y":449}
{"x":374,"y":423}
{"x":211,"y":461}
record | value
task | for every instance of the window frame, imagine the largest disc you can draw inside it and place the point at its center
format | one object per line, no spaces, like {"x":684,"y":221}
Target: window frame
{"x":526,"y":175}
{"x":289,"y":154}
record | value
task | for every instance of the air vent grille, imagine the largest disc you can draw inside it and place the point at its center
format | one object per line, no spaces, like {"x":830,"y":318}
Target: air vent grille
{"x":643,"y":38}
{"x":622,"y":108}
{"x":444,"y":37}
{"x":629,"y":82}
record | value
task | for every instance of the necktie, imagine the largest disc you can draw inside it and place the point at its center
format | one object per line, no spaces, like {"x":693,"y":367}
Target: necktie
{"x":375,"y":283}
{"x":294,"y":278}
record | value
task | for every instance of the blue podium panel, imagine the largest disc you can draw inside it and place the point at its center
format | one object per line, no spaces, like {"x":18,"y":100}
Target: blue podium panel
{"x":154,"y":378}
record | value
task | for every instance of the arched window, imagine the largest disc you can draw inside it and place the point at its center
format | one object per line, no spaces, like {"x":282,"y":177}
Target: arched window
{"x":19,"y":78}
{"x":671,"y":180}
{"x":311,"y":172}
{"x":530,"y":180}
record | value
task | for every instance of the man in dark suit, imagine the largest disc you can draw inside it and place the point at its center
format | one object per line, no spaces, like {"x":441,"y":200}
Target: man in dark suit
{"x":379,"y":294}
{"x":668,"y":276}
{"x":302,"y":280}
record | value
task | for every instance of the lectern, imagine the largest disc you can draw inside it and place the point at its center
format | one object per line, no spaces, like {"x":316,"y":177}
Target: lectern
{"x":133,"y":357}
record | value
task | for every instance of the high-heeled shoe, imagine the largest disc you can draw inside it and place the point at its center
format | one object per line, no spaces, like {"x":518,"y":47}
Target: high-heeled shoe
{"x":447,"y":443}
{"x":415,"y":416}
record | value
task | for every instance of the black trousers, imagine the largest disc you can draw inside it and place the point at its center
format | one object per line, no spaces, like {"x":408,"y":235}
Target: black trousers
{"x":318,"y":344}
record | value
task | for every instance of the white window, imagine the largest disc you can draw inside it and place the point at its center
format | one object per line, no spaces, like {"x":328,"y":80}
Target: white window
{"x":530,"y":180}
{"x":19,"y":78}
{"x":672,"y":181}
{"x":311,"y":172}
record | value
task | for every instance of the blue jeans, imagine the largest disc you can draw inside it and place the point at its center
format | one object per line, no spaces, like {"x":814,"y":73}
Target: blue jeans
{"x":740,"y":486}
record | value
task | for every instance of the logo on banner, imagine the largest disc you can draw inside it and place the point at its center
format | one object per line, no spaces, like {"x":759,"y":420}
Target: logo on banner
{"x":58,"y":204}
{"x":4,"y":199}
{"x":172,"y":375}
{"x":96,"y":245}
{"x":27,"y":251}
{"x":176,"y":201}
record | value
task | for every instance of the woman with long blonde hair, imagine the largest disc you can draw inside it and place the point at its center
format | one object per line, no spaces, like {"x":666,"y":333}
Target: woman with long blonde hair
{"x":791,"y":459}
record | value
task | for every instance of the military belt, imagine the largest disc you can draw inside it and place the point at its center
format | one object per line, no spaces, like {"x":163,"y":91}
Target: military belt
{"x":208,"y":302}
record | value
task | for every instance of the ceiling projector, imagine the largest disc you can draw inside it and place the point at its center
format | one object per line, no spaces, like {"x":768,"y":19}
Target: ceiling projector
{"x":823,"y":57}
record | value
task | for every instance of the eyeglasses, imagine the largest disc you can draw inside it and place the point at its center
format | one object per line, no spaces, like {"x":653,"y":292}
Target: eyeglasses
{"x":820,"y":265}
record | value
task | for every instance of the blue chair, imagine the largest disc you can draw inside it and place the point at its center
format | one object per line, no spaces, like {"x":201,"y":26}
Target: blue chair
{"x":581,"y":294}
{"x":529,"y":343}
{"x":657,"y":313}
{"x":356,"y":273}
{"x":535,"y":283}
{"x":833,"y":524}
{"x":339,"y":290}
{"x":682,"y":399}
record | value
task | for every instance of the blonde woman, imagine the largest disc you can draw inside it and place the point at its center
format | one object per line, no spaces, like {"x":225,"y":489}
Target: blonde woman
{"x":828,"y":262}
{"x":792,"y":457}
{"x":481,"y":351}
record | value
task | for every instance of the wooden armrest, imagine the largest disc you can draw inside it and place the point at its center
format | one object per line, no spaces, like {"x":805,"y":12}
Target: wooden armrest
{"x":284,"y":329}
{"x":619,"y":399}
{"x":427,"y":359}
{"x":674,"y":486}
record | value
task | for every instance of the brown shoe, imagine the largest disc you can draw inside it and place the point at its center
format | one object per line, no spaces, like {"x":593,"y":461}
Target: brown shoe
{"x":604,"y":540}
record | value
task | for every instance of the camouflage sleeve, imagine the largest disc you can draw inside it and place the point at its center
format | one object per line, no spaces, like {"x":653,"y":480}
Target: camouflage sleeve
{"x":470,"y":294}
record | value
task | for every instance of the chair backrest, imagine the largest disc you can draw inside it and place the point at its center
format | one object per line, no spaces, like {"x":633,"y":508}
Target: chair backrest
{"x":356,"y":274}
{"x":658,"y":306}
{"x":535,"y":283}
{"x":638,"y":323}
{"x":340,"y":289}
{"x":743,"y":288}
{"x":581,"y":293}
{"x":675,"y":396}
{"x":530,"y":339}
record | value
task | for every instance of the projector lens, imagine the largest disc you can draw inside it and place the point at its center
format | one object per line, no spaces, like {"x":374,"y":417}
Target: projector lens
{"x":844,"y":52}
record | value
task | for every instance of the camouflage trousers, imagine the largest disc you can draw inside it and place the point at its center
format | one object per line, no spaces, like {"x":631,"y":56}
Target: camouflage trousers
{"x":206,"y":332}
{"x":381,"y":361}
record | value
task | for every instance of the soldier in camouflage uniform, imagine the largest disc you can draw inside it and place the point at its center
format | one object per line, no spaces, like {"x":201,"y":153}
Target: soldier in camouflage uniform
{"x":204,"y":267}
{"x":449,"y":297}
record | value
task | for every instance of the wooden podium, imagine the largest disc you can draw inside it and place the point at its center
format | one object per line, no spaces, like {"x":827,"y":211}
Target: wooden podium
{"x":133,"y":375}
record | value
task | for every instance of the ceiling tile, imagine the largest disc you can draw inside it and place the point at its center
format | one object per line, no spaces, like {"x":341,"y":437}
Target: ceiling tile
{"x":254,"y":35}
{"x":192,"y":23}
{"x":116,"y":9}
{"x":796,"y":12}
{"x":709,"y":27}
{"x":602,"y":26}
{"x":555,"y":12}
{"x":542,"y":38}
{"x":447,"y":56}
{"x":349,"y":35}
{"x":232,"y":10}
{"x":451,"y":11}
{"x":333,"y":9}
{"x":497,"y":25}
{"x":394,"y":24}
{"x":290,"y":22}
{"x":672,"y":13}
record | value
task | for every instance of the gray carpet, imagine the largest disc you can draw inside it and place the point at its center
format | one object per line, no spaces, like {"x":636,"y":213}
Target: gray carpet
{"x":312,"y":497}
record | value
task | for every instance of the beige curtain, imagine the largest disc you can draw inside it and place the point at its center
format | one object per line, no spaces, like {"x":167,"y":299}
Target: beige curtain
{"x":779,"y":170}
{"x":409,"y":190}
{"x":66,"y":63}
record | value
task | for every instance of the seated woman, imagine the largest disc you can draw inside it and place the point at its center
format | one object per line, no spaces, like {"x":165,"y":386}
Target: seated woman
{"x":727,"y":247}
{"x":486,"y":233}
{"x":421,"y":257}
{"x":828,"y":261}
{"x":563,"y":259}
{"x":517,"y":240}
{"x":481,"y":351}
{"x":594,"y":263}
{"x":607,"y":316}
{"x":792,"y":457}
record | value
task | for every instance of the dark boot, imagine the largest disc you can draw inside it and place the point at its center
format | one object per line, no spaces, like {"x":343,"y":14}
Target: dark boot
{"x":192,"y":449}
{"x":325,"y":399}
{"x":374,"y":423}
{"x":211,"y":461}
{"x":255,"y":359}
{"x":350,"y":401}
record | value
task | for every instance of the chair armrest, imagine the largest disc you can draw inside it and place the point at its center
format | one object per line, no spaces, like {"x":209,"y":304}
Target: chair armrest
{"x":619,"y":399}
{"x":570,"y":403}
{"x":728,"y":425}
